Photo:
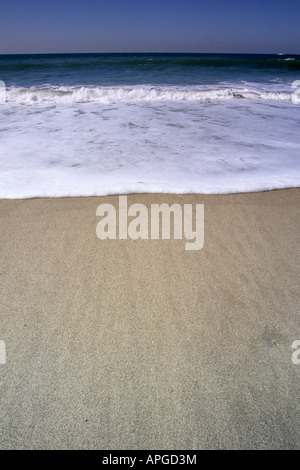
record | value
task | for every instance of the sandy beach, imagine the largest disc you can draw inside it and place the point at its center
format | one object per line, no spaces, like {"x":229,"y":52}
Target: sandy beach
{"x":124,"y":344}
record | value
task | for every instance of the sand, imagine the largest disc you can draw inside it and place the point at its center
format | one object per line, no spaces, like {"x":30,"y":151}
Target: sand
{"x":123,"y":344}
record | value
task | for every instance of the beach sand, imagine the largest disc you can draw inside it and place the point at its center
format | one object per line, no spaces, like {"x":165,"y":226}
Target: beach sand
{"x":123,"y":344}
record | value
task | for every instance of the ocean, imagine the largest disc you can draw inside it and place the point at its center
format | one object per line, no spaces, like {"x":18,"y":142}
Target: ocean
{"x":97,"y":124}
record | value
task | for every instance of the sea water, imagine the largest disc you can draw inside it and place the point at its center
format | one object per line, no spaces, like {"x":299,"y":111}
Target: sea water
{"x":96,"y":124}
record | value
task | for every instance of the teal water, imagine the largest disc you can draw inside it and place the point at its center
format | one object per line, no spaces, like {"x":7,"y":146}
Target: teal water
{"x":154,"y":69}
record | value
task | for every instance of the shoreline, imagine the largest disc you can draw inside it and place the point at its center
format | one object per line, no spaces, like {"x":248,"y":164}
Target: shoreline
{"x":140,"y":344}
{"x":155,"y":193}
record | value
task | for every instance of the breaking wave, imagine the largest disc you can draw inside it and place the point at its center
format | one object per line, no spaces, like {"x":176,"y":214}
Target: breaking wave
{"x":109,"y":95}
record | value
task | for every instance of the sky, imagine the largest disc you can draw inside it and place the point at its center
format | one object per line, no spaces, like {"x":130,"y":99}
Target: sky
{"x":225,"y":26}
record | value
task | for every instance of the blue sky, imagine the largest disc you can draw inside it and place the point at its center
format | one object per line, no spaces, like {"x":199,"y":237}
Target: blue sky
{"x":37,"y":26}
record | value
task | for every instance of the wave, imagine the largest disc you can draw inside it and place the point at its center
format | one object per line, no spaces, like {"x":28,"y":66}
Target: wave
{"x":110,"y":95}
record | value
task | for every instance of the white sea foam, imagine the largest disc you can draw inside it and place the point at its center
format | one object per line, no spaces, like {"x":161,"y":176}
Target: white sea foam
{"x":110,"y":95}
{"x":68,"y":141}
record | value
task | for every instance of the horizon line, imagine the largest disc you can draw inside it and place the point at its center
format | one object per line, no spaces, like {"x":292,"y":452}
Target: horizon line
{"x":164,"y":52}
